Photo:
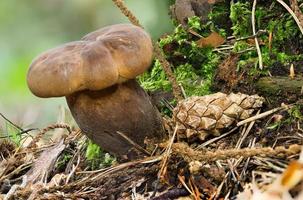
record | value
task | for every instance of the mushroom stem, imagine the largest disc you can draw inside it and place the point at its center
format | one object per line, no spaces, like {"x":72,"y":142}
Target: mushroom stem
{"x":123,"y":107}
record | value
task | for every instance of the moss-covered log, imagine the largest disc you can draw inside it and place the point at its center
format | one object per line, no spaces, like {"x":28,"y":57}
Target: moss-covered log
{"x":279,"y":85}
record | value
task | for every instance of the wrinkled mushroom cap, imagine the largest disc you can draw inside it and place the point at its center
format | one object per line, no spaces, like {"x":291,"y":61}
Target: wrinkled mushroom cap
{"x":101,"y":59}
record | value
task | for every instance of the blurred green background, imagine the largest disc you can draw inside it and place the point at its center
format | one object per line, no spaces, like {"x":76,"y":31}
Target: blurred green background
{"x":30,"y":27}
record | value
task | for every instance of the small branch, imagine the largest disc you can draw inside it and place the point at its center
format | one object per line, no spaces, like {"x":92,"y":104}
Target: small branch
{"x":296,"y":8}
{"x":135,"y":145}
{"x":166,"y":155}
{"x":215,"y":139}
{"x":259,"y":32}
{"x":242,"y":138}
{"x":253,"y":22}
{"x":259,"y":116}
{"x":73,"y":171}
{"x":164,"y":159}
{"x":292,"y":14}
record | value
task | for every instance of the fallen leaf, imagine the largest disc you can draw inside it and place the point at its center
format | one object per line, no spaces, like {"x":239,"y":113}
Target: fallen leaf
{"x":213,"y":40}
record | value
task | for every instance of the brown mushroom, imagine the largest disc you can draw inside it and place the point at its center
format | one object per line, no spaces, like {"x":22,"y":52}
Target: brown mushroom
{"x":97,"y":76}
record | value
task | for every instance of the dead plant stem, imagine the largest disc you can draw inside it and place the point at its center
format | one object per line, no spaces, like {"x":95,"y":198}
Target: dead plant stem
{"x":292,"y":14}
{"x":190,"y":154}
{"x":253,"y":22}
{"x":259,"y":116}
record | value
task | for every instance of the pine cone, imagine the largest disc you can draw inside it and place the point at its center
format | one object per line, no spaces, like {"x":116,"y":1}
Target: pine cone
{"x":200,"y":116}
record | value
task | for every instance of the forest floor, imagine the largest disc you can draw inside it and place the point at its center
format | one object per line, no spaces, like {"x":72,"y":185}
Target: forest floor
{"x":253,"y":48}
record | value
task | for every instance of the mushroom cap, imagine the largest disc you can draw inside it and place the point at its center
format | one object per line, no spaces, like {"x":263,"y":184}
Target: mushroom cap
{"x":110,"y":55}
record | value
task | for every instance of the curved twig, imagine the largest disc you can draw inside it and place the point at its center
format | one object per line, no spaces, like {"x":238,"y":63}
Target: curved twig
{"x":253,"y":22}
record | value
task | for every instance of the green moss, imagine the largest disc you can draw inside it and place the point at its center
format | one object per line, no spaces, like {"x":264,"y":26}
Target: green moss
{"x":96,"y":158}
{"x":294,"y":116}
{"x":295,"y":113}
{"x":283,"y":28}
{"x":194,"y":23}
{"x":194,"y":67}
{"x":219,"y":11}
{"x":63,"y":160}
{"x":240,"y":15}
{"x":195,"y":72}
{"x":276,"y":21}
{"x":195,"y":81}
{"x":240,"y":46}
{"x":179,"y":36}
{"x":156,"y":79}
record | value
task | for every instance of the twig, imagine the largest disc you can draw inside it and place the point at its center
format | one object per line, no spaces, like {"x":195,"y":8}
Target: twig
{"x":125,"y":165}
{"x":245,"y":50}
{"x":259,"y":32}
{"x":251,"y":145}
{"x":259,"y":116}
{"x":223,"y":48}
{"x":157,"y":50}
{"x":137,"y":146}
{"x":101,"y":174}
{"x":242,"y":138}
{"x":219,"y":188}
{"x":73,"y":170}
{"x":292,"y":13}
{"x":215,"y":139}
{"x":15,"y":171}
{"x":181,"y":179}
{"x":253,"y":22}
{"x":164,"y":160}
{"x":296,"y":8}
{"x":167,"y":154}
